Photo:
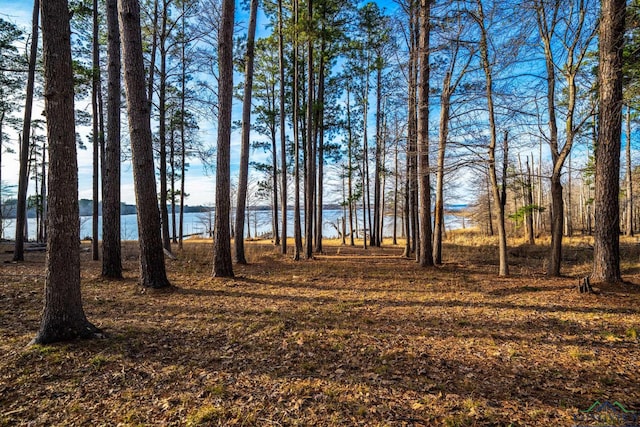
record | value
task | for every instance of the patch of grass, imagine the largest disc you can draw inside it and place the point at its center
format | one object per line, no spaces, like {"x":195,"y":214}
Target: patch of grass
{"x":99,"y":360}
{"x":581,"y":355}
{"x":206,"y":415}
{"x":217,"y":390}
{"x":632,"y":333}
{"x":459,"y":420}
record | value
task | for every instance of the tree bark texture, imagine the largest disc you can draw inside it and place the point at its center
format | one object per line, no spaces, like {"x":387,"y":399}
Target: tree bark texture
{"x":606,"y":248}
{"x":425,"y":256}
{"x":63,"y":317}
{"x":222,"y":264}
{"x":111,"y":249}
{"x":152,"y":268}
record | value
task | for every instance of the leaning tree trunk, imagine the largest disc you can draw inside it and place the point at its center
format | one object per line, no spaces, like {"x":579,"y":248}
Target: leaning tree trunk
{"x":63,"y":317}
{"x":111,"y":251}
{"x":606,"y":247}
{"x":23,"y":177}
{"x":222,"y":264}
{"x":152,"y":268}
{"x":162,"y":131}
{"x":246,"y":130}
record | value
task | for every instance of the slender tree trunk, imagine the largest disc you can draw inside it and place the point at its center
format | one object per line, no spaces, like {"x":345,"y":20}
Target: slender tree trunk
{"x":111,"y":249}
{"x":95,"y":87}
{"x":162,"y":129}
{"x":23,"y":178}
{"x":629,"y":180}
{"x":366,"y":200}
{"x":63,"y":317}
{"x":412,"y":135}
{"x":606,"y":248}
{"x":320,"y":150}
{"x":425,"y":255}
{"x":396,"y":173}
{"x":377,"y":203}
{"x":172,"y":191}
{"x":154,"y":48}
{"x":183,"y":112}
{"x":246,"y":130}
{"x":529,"y":211}
{"x":498,"y":195}
{"x":274,"y":208}
{"x":152,"y":268}
{"x":350,"y":167}
{"x":310,"y":140}
{"x":297,"y":229}
{"x":222,"y":265}
{"x":283,"y":139}
{"x":2,"y":115}
{"x":445,"y":99}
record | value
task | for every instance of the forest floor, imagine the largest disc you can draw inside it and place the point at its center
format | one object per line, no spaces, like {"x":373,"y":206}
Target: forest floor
{"x":354,"y":337}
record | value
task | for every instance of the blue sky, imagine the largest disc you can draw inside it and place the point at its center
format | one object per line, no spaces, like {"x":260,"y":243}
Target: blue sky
{"x":200,"y":187}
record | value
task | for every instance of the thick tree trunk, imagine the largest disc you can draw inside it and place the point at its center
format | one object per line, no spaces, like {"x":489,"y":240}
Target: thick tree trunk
{"x":152,"y":268}
{"x":23,"y":177}
{"x":557,"y":227}
{"x":111,"y":250}
{"x":606,"y":248}
{"x":425,"y":255}
{"x":222,"y":264}
{"x":63,"y":317}
{"x":243,"y":173}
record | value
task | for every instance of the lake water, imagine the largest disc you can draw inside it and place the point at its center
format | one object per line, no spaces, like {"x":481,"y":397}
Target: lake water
{"x":199,"y":224}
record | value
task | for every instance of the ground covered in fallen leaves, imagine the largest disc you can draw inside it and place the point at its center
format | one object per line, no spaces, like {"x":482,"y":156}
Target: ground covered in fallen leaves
{"x":353,"y":337}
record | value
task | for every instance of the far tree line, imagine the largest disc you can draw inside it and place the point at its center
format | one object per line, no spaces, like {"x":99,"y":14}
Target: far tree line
{"x":335,"y":84}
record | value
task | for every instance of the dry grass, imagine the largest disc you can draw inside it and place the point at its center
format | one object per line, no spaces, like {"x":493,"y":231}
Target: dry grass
{"x":350,"y":338}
